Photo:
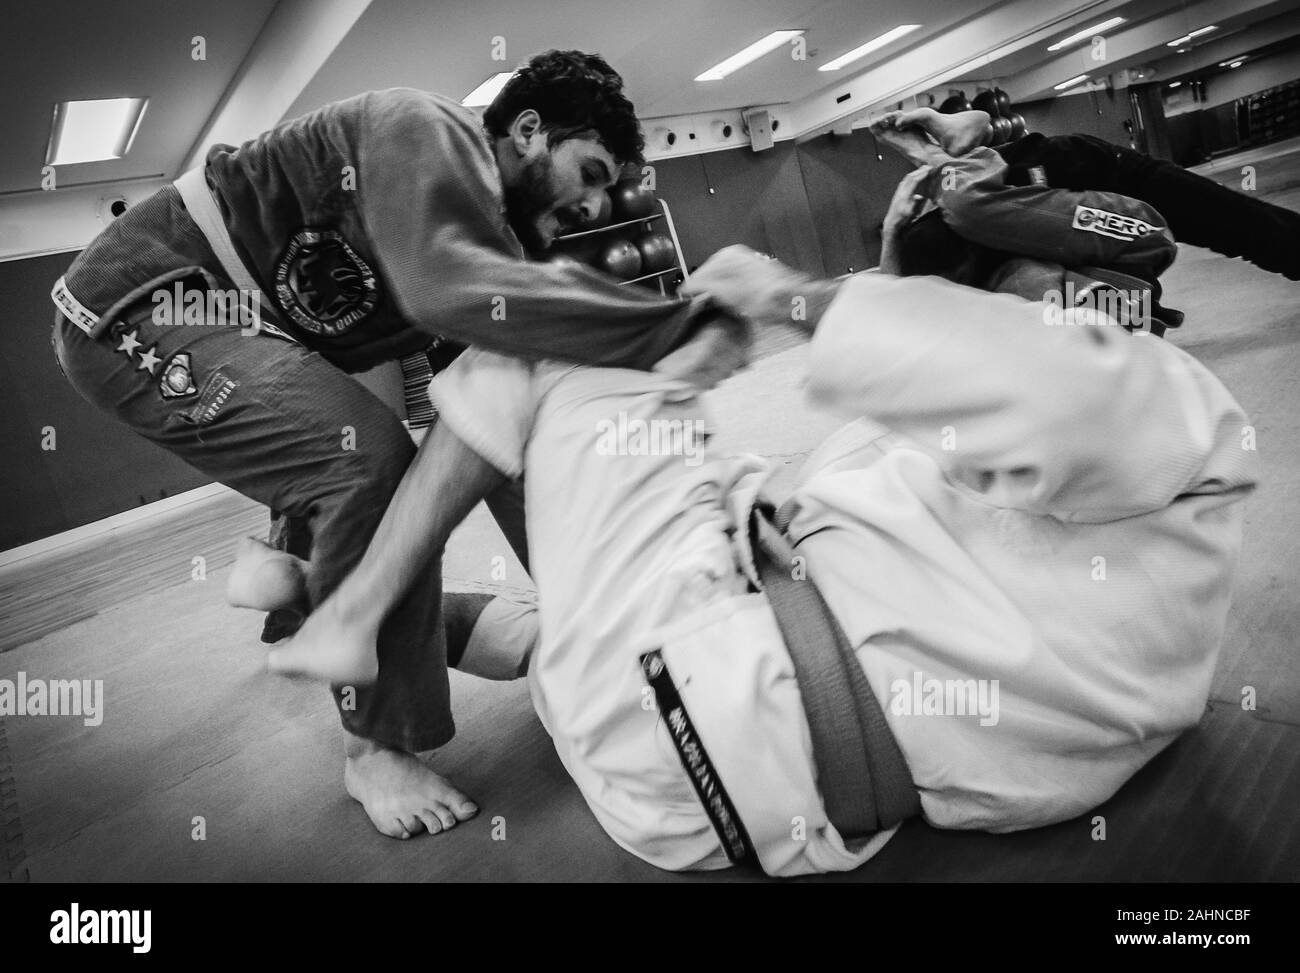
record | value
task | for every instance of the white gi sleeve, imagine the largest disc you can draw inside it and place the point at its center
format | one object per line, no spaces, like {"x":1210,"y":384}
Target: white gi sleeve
{"x":1079,"y":420}
{"x":489,"y":401}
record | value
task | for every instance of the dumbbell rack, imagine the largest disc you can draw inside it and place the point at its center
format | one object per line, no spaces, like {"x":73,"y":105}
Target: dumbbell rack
{"x":659,"y":276}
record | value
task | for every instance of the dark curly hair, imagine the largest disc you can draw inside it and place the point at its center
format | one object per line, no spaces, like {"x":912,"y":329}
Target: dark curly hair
{"x":573,"y":93}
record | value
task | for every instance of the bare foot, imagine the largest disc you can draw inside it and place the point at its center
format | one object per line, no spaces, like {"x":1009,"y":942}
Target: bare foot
{"x":401,"y":795}
{"x":911,"y":142}
{"x":265,"y":579}
{"x":333,"y":646}
{"x":958,"y":134}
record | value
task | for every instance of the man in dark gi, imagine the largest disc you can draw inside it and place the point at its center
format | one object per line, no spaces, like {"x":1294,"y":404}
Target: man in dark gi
{"x":357,"y":234}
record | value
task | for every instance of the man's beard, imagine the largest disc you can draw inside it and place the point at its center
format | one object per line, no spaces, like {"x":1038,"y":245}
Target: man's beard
{"x":528,"y":200}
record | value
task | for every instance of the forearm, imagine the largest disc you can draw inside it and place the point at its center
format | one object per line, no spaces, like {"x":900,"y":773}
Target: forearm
{"x":442,"y":485}
{"x":536,"y":311}
{"x":889,"y":256}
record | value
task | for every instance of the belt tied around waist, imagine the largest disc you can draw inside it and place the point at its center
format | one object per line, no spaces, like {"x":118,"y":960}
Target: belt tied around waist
{"x":864,"y":779}
{"x":862,"y":775}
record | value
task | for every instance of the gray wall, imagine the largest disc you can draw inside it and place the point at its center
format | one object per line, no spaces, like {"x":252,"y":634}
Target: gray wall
{"x":99,"y":467}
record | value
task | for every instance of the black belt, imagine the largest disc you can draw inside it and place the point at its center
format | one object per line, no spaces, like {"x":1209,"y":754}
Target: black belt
{"x":864,"y":779}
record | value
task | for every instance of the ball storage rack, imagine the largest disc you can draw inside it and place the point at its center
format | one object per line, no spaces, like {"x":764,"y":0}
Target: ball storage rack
{"x":630,"y":228}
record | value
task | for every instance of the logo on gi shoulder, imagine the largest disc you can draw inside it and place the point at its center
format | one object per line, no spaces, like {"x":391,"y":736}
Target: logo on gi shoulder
{"x":1117,"y":226}
{"x":323,"y":284}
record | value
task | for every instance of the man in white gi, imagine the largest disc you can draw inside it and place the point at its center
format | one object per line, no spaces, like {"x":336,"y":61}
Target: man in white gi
{"x":1042,"y":515}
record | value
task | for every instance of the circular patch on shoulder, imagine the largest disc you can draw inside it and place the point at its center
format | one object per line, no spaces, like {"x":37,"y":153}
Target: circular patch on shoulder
{"x":323,"y":285}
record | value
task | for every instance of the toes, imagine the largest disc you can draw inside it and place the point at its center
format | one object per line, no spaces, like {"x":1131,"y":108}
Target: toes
{"x":411,"y":824}
{"x":459,"y":804}
{"x":445,"y":816}
{"x":465,"y":810}
{"x":389,"y":827}
{"x":433,"y":821}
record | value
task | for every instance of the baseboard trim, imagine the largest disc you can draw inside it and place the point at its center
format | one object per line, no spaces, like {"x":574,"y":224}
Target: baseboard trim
{"x":99,"y":527}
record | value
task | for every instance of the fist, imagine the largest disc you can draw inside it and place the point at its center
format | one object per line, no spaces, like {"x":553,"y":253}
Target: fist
{"x":716,"y":352}
{"x":746,"y":283}
{"x":909,"y":198}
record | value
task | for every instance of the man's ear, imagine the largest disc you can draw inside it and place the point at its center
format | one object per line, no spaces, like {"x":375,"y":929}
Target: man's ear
{"x":524,"y":130}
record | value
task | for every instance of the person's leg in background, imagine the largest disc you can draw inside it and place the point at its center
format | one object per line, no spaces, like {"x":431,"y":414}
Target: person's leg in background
{"x":1199,"y":210}
{"x":292,"y":536}
{"x":287,"y":429}
{"x":492,"y":635}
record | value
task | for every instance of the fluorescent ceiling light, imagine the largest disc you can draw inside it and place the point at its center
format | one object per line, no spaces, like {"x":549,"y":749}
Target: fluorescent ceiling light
{"x":1086,"y":33}
{"x":92,"y":131}
{"x":1233,"y":60}
{"x":1071,"y":83}
{"x":1235,"y":64}
{"x":489,"y":89}
{"x":752,"y":53}
{"x":872,"y":45}
{"x":1190,"y":34}
{"x":1174,"y":84}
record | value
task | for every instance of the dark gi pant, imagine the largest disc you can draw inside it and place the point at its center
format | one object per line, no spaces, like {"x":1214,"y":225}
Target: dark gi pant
{"x":1199,"y":210}
{"x":284,"y":427}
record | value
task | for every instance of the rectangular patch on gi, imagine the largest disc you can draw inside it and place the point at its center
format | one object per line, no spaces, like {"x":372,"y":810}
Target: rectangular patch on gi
{"x":215,"y":395}
{"x":72,"y":308}
{"x":695,"y":760}
{"x":1114,"y":225}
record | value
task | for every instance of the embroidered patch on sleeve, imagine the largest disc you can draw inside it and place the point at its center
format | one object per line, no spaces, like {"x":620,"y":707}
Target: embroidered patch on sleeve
{"x":177,"y":380}
{"x":214,"y":398}
{"x":1117,"y":226}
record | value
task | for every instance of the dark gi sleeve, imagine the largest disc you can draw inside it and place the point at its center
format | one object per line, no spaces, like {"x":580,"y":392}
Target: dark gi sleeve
{"x":1075,"y":229}
{"x":433,"y":205}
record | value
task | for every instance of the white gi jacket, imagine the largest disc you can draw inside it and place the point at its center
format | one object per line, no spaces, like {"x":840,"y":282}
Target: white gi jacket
{"x":1051,"y":509}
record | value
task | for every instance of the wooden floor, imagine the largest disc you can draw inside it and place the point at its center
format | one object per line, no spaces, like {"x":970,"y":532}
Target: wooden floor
{"x":193,"y":730}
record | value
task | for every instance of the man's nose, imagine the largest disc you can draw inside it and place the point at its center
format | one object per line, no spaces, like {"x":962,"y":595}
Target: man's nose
{"x":591,"y":204}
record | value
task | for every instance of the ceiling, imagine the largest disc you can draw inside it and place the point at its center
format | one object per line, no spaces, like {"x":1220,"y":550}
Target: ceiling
{"x":55,"y":50}
{"x":67,"y":50}
{"x":1139,"y":43}
{"x":659,"y":46}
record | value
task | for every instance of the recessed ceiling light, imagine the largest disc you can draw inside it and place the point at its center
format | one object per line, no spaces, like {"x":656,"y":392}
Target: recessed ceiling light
{"x":489,"y":89}
{"x":1070,"y":83}
{"x":1190,"y":34}
{"x":1235,"y":64}
{"x":1174,"y":84}
{"x":751,"y":53}
{"x":875,"y":44}
{"x":1086,"y":33}
{"x":93,"y":131}
{"x":1233,"y":60}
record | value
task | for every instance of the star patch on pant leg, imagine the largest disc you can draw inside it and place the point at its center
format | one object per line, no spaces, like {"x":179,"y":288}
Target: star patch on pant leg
{"x":129,"y":343}
{"x":148,"y":359}
{"x":177,"y":377}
